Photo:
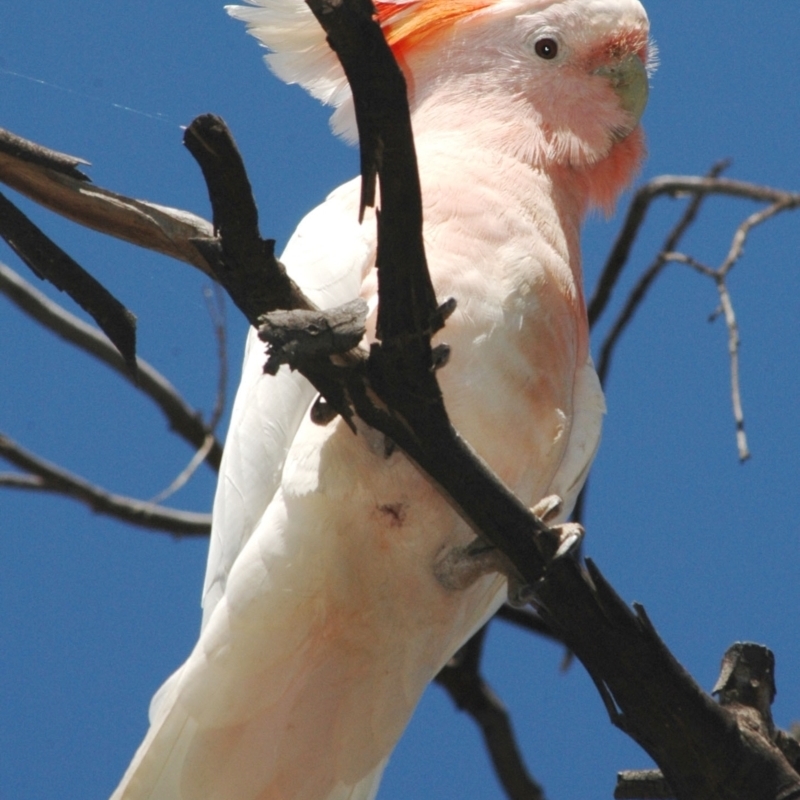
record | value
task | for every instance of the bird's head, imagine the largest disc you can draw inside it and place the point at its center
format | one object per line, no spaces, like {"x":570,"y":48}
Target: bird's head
{"x":561,"y":84}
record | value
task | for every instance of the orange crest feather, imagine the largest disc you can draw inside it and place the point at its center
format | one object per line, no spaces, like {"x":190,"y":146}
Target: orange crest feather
{"x":407,"y":24}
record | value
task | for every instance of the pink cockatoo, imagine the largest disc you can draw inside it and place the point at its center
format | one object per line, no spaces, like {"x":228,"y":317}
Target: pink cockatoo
{"x":325,"y":609}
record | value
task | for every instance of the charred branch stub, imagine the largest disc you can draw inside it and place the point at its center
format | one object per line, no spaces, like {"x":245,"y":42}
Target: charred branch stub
{"x":242,"y":262}
{"x":295,"y":337}
{"x":745,"y":689}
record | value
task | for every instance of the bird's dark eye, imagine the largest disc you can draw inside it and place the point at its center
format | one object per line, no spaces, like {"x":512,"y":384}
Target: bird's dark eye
{"x":546,"y":48}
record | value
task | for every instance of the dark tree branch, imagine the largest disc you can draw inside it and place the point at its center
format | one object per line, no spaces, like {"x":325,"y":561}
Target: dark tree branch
{"x":408,"y":304}
{"x":471,"y":693}
{"x":242,"y":262}
{"x":183,"y":419}
{"x":49,"y":262}
{"x":745,"y":687}
{"x":50,"y":179}
{"x":44,"y":476}
{"x":704,"y":750}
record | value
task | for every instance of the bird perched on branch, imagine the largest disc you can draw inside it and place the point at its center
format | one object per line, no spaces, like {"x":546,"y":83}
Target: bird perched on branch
{"x":325,"y":608}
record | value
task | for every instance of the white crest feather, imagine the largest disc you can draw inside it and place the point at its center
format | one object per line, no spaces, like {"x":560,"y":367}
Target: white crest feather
{"x":300,"y":54}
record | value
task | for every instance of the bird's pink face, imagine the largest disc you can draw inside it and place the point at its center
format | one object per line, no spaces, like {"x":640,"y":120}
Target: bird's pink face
{"x":588,"y":77}
{"x":568,"y":78}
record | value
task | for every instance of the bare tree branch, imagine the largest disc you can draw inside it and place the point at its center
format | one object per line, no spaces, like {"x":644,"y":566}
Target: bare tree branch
{"x":48,"y":477}
{"x":183,"y":419}
{"x":638,"y":293}
{"x":215,"y":302}
{"x":471,"y":693}
{"x":610,"y":275}
{"x":26,"y":152}
{"x":719,"y":276}
{"x":698,"y":189}
{"x":675,"y":186}
{"x":49,"y":262}
{"x":52,"y":180}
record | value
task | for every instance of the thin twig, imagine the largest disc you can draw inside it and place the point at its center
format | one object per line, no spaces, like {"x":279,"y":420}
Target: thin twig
{"x":216,"y":312}
{"x":674,"y":185}
{"x":471,"y":693}
{"x":742,"y":232}
{"x":183,"y":419}
{"x":733,"y":352}
{"x":128,"y":509}
{"x":719,"y":276}
{"x":186,"y":473}
{"x":16,"y":480}
{"x":636,"y":297}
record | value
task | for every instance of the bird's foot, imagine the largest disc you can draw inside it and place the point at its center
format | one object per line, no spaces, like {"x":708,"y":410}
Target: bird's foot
{"x":565,"y":537}
{"x":460,"y":567}
{"x":548,"y":508}
{"x":557,"y":541}
{"x":564,"y":540}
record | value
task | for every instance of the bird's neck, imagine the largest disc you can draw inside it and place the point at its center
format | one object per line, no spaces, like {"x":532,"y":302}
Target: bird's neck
{"x":476,"y":116}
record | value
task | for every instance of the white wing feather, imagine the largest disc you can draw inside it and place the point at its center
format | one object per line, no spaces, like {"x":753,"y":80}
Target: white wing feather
{"x":327,"y":257}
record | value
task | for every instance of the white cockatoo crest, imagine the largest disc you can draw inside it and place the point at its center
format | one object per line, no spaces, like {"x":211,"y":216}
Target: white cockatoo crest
{"x":486,"y":49}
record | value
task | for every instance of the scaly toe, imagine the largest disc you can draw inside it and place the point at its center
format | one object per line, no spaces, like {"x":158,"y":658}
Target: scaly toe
{"x":548,"y":508}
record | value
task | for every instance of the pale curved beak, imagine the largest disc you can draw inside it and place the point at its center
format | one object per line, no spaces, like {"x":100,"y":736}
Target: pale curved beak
{"x":628,"y":77}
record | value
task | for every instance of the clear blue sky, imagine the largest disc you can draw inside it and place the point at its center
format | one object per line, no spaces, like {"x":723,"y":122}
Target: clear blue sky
{"x":94,"y":614}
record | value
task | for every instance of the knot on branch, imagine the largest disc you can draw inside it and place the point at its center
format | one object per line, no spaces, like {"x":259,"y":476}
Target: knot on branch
{"x":295,"y":336}
{"x":747,"y":678}
{"x":745,"y":688}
